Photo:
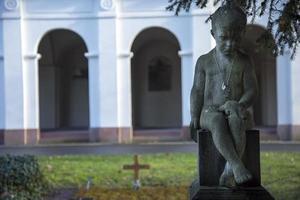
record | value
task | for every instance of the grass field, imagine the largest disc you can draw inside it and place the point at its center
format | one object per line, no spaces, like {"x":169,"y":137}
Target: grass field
{"x":280,"y":172}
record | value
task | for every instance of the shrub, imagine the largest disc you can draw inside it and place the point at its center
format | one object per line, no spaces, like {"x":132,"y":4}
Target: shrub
{"x":21,"y":178}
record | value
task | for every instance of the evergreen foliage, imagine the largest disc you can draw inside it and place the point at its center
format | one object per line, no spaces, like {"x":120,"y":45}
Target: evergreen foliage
{"x":21,"y":178}
{"x":283,"y":19}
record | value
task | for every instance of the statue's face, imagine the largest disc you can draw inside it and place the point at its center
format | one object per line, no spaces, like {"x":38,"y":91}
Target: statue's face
{"x":227,"y":39}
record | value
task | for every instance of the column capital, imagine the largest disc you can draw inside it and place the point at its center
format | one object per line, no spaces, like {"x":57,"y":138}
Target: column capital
{"x":125,"y":54}
{"x":33,"y":56}
{"x":91,"y":55}
{"x":183,"y":53}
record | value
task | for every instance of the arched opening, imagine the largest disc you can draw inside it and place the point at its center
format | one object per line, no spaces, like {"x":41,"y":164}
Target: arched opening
{"x":265,"y":108}
{"x":156,"y":80}
{"x":63,"y":82}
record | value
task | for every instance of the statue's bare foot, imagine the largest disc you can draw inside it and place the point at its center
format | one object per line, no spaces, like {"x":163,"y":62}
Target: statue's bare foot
{"x":227,"y":179}
{"x":241,"y":175}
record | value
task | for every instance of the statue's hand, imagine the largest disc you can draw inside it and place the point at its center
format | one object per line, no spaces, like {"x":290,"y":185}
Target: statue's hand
{"x":233,"y":108}
{"x":194,"y":127}
{"x":195,"y":123}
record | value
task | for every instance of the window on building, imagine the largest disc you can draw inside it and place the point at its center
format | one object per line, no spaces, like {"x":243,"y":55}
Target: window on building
{"x":160,"y":74}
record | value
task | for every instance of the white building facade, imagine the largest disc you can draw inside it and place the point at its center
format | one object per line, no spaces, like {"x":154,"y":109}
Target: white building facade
{"x":117,"y":71}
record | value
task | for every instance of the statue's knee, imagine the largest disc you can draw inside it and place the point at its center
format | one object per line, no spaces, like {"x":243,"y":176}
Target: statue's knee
{"x":234,"y":119}
{"x":218,"y":122}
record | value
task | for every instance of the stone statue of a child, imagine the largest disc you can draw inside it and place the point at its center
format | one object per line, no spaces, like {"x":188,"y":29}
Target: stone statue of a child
{"x":225,"y":86}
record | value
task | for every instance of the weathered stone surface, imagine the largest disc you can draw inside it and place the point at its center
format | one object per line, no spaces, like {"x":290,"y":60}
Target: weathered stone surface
{"x":222,"y":193}
{"x":211,"y":163}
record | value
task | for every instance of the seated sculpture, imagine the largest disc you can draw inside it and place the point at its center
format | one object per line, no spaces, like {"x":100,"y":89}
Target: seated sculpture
{"x":224,"y":89}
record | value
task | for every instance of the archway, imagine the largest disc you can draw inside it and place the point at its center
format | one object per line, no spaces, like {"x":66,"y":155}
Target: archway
{"x":265,"y":108}
{"x":63,"y":82}
{"x":156,"y":80}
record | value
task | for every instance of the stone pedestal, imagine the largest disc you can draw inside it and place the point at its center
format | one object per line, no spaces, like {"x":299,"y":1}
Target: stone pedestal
{"x":211,"y":165}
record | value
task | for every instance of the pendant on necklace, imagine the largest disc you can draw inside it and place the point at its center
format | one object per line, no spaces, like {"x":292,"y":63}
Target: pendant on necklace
{"x":223,"y":86}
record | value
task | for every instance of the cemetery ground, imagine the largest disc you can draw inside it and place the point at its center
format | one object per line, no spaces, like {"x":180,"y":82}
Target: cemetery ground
{"x":169,"y":175}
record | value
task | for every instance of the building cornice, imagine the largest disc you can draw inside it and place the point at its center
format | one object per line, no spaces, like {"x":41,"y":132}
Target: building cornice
{"x":160,"y":14}
{"x":102,"y":15}
{"x":9,"y":16}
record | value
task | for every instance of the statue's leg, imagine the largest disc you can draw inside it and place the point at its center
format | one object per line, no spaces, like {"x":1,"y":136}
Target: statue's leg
{"x":227,"y":177}
{"x":216,"y":123}
{"x":237,"y":129}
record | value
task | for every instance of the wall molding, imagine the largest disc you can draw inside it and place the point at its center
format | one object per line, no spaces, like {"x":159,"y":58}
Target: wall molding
{"x":106,"y":14}
{"x":70,"y":16}
{"x":125,"y":54}
{"x":159,"y":14}
{"x":8,"y":16}
{"x":91,"y":55}
{"x":185,"y":53}
{"x":33,"y":56}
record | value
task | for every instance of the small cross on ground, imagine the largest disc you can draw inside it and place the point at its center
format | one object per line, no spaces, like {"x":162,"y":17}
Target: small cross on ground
{"x":136,"y":167}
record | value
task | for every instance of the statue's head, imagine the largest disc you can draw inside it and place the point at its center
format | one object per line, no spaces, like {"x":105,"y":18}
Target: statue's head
{"x":228,"y":26}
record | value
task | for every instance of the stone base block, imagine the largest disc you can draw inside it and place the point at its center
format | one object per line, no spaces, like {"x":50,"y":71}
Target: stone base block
{"x":111,"y":135}
{"x":20,"y":137}
{"x":222,"y":193}
{"x":211,"y":163}
{"x":32,"y":136}
{"x":1,"y":137}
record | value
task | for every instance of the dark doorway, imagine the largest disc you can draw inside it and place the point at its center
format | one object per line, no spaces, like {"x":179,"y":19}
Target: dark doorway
{"x":63,"y":82}
{"x":156,"y":80}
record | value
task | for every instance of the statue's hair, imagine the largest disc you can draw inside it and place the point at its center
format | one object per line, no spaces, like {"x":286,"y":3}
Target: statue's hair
{"x":229,"y":15}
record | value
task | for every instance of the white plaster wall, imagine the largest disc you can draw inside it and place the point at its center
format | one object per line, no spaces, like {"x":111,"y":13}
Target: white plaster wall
{"x":13,"y":72}
{"x":181,"y":27}
{"x":295,"y":75}
{"x":107,"y":92}
{"x":59,"y":6}
{"x":140,"y":6}
{"x":2,"y":79}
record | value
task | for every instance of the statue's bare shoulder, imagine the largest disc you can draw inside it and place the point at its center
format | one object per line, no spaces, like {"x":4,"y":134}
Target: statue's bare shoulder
{"x":204,"y":62}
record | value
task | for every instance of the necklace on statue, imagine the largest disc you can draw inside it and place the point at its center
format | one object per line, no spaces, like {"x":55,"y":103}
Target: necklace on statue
{"x":225,"y":81}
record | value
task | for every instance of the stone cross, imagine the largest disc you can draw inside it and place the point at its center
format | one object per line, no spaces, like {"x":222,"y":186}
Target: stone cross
{"x":136,"y":167}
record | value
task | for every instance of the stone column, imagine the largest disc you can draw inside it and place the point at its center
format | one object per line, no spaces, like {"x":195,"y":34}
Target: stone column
{"x":104,"y":127}
{"x":186,"y":85}
{"x":94,"y":95}
{"x":13,"y":79}
{"x":124,"y":97}
{"x":295,"y":96}
{"x":284,"y":101}
{"x":2,"y":102}
{"x":31,"y":98}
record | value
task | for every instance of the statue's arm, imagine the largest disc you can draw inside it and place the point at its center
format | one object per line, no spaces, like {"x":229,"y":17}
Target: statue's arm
{"x":197,"y":94}
{"x":250,"y":86}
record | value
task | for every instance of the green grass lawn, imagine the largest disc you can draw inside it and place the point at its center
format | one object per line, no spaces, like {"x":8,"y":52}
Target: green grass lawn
{"x":280,"y":171}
